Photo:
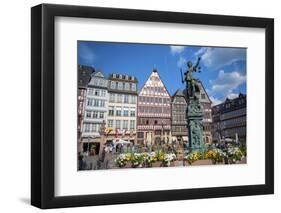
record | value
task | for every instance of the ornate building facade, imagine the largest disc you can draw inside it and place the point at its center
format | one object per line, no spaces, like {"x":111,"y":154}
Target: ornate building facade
{"x":207,"y":114}
{"x":154,"y":112}
{"x":229,"y":119}
{"x":122,"y":108}
{"x":179,"y":121}
{"x":95,"y":111}
{"x":151,"y":116}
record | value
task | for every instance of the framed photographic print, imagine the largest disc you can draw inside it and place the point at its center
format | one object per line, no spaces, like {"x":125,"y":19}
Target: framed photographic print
{"x":139,"y":106}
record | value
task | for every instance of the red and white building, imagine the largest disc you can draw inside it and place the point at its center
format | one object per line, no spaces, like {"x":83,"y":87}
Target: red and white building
{"x":84,"y":76}
{"x":154,"y":112}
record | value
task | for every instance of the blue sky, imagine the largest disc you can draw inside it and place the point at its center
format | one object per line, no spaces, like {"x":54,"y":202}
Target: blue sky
{"x":223,"y":70}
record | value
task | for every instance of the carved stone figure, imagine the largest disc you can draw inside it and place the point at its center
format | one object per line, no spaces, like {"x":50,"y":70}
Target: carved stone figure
{"x":195,"y":133}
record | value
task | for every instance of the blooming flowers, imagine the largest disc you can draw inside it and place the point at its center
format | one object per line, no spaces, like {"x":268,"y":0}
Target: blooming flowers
{"x":193,"y":156}
{"x":160,"y":155}
{"x":234,"y":154}
{"x":137,"y":159}
{"x":144,"y":159}
{"x":216,"y":155}
{"x":230,"y":155}
{"x":168,"y":158}
{"x":150,"y":158}
{"x":121,"y":160}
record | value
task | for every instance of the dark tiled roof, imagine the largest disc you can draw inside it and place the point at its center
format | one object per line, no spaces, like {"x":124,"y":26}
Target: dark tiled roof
{"x":122,"y":77}
{"x":202,"y":91}
{"x":84,"y":75}
{"x":231,"y":104}
{"x":178,"y":93}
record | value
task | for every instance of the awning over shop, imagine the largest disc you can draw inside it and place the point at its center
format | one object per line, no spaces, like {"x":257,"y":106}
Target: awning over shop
{"x":174,"y":138}
{"x":120,"y":141}
{"x":91,"y":140}
{"x":185,"y":138}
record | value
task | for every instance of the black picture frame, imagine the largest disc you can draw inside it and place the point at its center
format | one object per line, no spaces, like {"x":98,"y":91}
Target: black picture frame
{"x":43,"y":105}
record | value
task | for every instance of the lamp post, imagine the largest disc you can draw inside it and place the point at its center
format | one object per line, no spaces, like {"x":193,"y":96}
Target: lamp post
{"x":162,"y":132}
{"x":88,"y":148}
{"x":102,"y":133}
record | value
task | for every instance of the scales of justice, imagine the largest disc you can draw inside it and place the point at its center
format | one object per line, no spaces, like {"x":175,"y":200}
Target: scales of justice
{"x":194,"y":110}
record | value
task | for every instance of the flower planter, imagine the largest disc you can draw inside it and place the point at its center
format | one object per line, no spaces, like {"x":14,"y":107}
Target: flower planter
{"x":243,"y":160}
{"x":137,"y":166}
{"x":175,"y":163}
{"x":157,"y":164}
{"x":128,"y":165}
{"x":200,"y":162}
{"x":220,"y":163}
{"x":178,"y":163}
{"x":180,"y":157}
{"x":166,"y":165}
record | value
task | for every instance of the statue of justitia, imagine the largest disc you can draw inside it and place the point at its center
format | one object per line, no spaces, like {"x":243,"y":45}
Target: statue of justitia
{"x":189,"y":78}
{"x":194,"y":111}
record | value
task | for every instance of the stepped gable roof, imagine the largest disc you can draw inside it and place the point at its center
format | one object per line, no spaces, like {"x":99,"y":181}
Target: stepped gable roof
{"x":155,"y":81}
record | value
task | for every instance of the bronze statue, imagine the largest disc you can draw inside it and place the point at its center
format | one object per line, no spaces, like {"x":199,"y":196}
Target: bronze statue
{"x":194,"y":111}
{"x":191,"y":83}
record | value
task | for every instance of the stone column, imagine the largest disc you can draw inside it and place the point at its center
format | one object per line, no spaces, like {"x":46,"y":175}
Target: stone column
{"x":195,"y":126}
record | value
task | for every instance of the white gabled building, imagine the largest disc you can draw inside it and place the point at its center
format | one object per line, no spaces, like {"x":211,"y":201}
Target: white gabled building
{"x":95,"y":112}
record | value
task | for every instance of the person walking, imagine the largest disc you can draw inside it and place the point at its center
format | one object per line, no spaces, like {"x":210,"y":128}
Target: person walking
{"x":107,"y":158}
{"x":94,"y":161}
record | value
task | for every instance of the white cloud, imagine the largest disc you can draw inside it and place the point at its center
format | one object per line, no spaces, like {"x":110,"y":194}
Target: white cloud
{"x":226,"y":83}
{"x":208,"y":91}
{"x":215,"y":101}
{"x":177,"y":49}
{"x":232,"y":95}
{"x":201,"y":51}
{"x":216,"y":58}
{"x":181,"y":62}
